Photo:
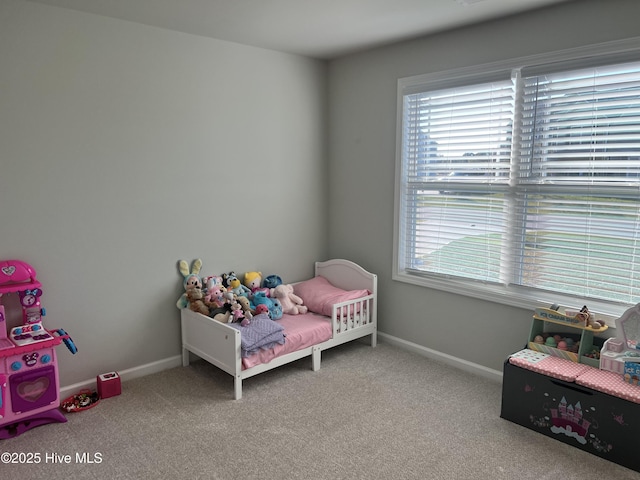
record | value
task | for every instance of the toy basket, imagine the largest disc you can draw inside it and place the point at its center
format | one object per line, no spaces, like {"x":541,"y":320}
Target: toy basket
{"x":83,"y":400}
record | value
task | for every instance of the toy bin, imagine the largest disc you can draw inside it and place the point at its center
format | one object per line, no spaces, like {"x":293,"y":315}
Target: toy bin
{"x":589,"y":345}
{"x":587,"y":419}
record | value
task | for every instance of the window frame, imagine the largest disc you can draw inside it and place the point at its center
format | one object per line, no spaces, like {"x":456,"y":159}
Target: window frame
{"x":511,"y":295}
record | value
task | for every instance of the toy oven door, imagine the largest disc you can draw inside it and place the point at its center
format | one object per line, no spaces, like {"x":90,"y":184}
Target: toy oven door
{"x":33,"y":389}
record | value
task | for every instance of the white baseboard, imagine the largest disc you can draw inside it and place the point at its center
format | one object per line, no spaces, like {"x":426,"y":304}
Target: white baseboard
{"x":489,"y":373}
{"x":128,"y":374}
{"x":176,"y":361}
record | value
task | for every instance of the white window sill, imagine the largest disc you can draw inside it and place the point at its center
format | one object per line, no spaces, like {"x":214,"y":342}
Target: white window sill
{"x":515,"y":296}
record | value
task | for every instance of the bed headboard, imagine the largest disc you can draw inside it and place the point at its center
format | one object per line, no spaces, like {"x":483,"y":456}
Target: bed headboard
{"x":347,"y":275}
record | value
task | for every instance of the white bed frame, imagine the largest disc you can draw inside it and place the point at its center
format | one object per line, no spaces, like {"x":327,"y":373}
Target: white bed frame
{"x":219,"y":344}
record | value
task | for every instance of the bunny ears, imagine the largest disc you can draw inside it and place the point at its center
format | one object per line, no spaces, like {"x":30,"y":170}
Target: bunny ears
{"x":183,"y":266}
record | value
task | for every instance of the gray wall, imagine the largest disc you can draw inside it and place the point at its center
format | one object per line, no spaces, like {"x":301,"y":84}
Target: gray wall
{"x":362,"y":141}
{"x":124,"y":148}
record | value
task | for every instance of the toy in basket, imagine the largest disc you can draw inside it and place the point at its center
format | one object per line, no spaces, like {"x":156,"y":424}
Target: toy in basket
{"x":621,"y":353}
{"x":632,"y":371}
{"x":83,"y":400}
{"x":577,"y":346}
{"x":583,"y":318}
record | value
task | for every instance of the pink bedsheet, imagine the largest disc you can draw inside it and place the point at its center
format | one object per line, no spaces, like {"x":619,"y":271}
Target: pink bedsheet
{"x":300,"y":331}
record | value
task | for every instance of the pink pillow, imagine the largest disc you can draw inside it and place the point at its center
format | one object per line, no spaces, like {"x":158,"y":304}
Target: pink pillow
{"x":319,"y":295}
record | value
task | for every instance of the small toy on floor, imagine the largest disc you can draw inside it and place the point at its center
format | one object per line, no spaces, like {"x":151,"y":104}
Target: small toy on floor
{"x":83,"y":400}
{"x":109,"y":384}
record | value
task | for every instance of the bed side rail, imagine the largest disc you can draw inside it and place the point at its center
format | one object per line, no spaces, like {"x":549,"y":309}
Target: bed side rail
{"x":203,"y":335}
{"x":353,"y":314}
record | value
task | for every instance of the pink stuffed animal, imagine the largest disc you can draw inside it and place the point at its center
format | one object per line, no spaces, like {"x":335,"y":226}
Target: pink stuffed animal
{"x":291,"y":303}
{"x":215,"y":296}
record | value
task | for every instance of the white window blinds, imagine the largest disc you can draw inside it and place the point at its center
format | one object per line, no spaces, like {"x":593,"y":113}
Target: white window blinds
{"x":526,"y":183}
{"x":460,"y":134}
{"x":579,"y":173}
{"x":581,"y":127}
{"x":457,"y":150}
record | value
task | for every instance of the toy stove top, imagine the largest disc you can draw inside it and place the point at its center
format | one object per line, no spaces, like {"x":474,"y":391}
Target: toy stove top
{"x":29,"y":334}
{"x":26,"y":335}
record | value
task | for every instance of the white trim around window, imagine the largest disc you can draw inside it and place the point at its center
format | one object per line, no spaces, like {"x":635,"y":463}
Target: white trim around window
{"x":493,"y":182}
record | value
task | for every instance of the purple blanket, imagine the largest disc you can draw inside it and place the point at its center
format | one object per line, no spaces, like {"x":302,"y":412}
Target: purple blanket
{"x":262,"y":332}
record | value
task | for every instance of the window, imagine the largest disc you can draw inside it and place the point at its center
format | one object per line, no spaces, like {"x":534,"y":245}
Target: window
{"x":522,"y":185}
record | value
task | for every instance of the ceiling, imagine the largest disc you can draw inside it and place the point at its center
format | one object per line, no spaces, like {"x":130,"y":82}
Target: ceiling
{"x":321,"y":29}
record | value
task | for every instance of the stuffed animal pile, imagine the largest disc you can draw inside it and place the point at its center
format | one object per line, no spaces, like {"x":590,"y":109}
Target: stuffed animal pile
{"x":229,"y":300}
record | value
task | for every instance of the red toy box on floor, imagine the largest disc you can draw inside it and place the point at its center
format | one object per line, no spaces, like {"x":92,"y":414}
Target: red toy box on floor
{"x":109,"y":385}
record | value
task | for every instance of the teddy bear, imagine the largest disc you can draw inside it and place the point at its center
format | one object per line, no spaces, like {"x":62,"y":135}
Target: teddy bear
{"x":215,"y":296}
{"x":195,"y":299}
{"x":291,"y":303}
{"x":211,"y":280}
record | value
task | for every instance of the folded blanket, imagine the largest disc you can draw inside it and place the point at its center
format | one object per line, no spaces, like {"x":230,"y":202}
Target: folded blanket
{"x":261,"y":333}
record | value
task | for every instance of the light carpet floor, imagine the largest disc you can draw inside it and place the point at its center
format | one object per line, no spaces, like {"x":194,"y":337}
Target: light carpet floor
{"x":368,"y":413}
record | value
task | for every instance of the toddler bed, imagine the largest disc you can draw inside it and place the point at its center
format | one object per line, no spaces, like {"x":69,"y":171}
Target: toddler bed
{"x":342,"y":302}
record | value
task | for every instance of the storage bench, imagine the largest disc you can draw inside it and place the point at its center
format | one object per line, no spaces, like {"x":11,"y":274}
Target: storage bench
{"x":551,"y":400}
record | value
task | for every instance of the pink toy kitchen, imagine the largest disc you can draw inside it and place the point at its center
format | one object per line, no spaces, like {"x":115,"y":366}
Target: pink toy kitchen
{"x":29,"y":380}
